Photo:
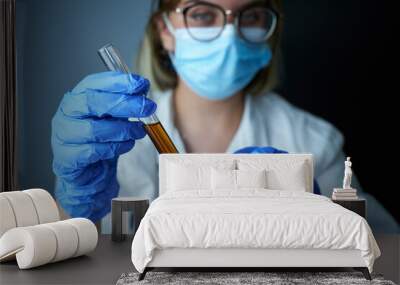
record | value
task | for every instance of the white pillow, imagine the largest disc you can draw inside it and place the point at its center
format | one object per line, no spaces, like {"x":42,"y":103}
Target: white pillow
{"x":192,"y":172}
{"x":281,"y":174}
{"x":292,"y":179}
{"x":186,"y":174}
{"x":237,"y":179}
{"x":181,"y":177}
{"x":251,"y":178}
{"x":223,"y":179}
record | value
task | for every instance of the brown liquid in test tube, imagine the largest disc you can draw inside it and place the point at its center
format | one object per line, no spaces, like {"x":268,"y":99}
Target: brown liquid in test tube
{"x":152,"y":124}
{"x":160,"y":138}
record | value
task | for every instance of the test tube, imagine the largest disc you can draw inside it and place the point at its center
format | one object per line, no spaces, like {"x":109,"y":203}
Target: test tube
{"x":163,"y":143}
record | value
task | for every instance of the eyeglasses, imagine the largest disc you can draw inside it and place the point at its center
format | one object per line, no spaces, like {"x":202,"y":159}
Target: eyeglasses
{"x":255,"y":23}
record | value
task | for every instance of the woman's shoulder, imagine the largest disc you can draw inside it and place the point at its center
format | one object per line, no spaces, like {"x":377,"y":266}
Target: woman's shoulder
{"x":306,"y":128}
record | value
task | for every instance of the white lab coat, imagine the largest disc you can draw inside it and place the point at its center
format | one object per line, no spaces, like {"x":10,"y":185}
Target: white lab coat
{"x":268,"y":120}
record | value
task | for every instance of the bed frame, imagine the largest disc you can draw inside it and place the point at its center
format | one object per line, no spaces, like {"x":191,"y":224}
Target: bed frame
{"x":247,"y":259}
{"x":261,"y":259}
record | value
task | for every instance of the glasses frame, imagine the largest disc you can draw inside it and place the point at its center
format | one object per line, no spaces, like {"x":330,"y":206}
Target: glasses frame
{"x":226,"y":13}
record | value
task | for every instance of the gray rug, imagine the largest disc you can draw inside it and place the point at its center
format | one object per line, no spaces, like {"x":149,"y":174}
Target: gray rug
{"x":244,"y":278}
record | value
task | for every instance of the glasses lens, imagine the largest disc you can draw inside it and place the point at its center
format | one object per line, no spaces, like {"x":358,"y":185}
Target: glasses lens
{"x":257,"y":24}
{"x":204,"y":22}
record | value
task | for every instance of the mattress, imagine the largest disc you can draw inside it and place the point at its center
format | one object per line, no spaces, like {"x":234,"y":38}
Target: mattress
{"x":250,"y":219}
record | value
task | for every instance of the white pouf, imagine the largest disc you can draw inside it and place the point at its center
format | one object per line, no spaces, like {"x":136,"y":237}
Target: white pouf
{"x":37,"y":245}
{"x":31,"y":232}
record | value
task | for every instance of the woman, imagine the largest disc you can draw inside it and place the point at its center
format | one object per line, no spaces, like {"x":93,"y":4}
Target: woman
{"x":212,"y":65}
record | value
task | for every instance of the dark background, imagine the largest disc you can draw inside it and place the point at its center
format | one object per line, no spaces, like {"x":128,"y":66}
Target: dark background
{"x":336,"y":65}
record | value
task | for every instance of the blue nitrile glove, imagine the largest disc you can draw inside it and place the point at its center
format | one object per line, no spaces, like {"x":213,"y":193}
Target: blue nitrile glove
{"x":89,"y":131}
{"x":269,"y":149}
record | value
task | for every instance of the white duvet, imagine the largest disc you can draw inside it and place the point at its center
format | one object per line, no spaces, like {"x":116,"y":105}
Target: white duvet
{"x":250,"y":219}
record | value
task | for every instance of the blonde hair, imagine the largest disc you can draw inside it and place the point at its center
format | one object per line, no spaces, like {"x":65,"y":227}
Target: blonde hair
{"x":153,"y":61}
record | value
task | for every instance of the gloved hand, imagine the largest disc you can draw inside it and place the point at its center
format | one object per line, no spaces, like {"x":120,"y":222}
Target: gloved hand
{"x":89,"y":131}
{"x":269,"y":149}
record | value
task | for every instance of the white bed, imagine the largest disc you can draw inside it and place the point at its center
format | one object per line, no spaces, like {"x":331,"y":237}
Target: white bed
{"x":200,"y":220}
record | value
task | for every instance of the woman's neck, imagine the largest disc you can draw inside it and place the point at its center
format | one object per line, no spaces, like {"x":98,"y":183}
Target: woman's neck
{"x":206,"y":125}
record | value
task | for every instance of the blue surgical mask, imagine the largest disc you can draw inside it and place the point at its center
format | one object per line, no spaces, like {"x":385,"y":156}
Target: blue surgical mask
{"x":217,"y":69}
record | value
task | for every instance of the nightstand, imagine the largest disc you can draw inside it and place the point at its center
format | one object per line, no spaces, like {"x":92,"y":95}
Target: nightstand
{"x":358,"y":206}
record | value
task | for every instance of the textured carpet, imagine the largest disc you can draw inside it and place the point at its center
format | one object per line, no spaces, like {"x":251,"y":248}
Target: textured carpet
{"x":233,"y":278}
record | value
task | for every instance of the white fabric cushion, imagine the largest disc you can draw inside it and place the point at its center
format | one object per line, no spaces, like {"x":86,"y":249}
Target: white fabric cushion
{"x":26,"y":208}
{"x":281,"y":175}
{"x":67,"y":239}
{"x":225,"y":179}
{"x":184,"y":175}
{"x":181,"y":178}
{"x":291,"y":179}
{"x":251,"y":178}
{"x":87,"y":235}
{"x":46,"y":207}
{"x":7,"y":218}
{"x":32,"y":246}
{"x":23,"y":208}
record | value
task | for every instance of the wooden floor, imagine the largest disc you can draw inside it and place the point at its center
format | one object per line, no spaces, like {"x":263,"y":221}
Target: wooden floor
{"x":110,"y":260}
